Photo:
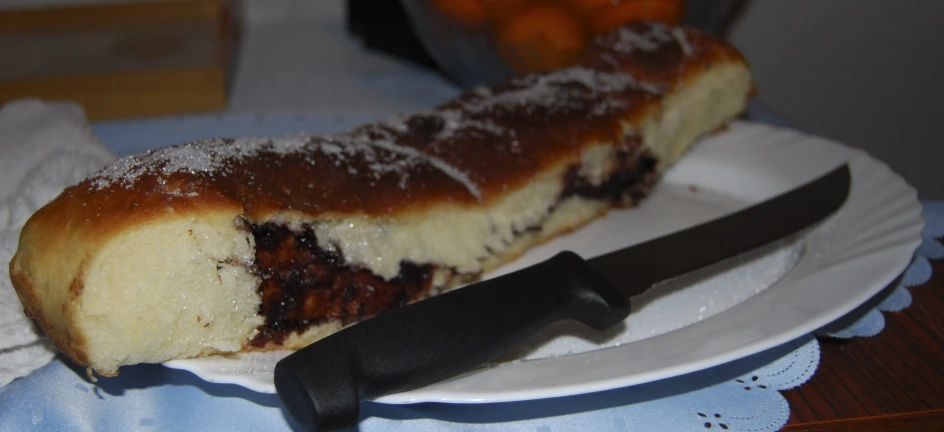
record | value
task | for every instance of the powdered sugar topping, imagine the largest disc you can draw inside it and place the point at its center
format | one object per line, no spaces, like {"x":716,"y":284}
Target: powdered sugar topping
{"x":413,"y":155}
{"x":679,"y":35}
{"x":556,"y":90}
{"x":455,"y":121}
{"x":216,"y":157}
{"x":204,"y":156}
{"x":628,"y":40}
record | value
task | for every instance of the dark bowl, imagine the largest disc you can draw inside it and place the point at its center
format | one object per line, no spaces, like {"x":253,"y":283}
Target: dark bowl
{"x":467,"y":50}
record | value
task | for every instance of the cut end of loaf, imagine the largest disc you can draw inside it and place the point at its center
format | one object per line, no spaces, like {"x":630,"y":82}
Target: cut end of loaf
{"x":171,"y":288}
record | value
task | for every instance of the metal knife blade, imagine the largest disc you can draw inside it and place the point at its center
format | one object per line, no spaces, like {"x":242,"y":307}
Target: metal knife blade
{"x":428,"y":341}
{"x":659,"y":259}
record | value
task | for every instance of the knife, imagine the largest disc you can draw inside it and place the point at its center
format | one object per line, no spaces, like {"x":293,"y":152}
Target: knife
{"x":428,"y":341}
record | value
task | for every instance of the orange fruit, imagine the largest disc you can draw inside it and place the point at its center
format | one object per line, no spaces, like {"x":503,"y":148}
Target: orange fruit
{"x":609,"y":18}
{"x":541,"y":37}
{"x":469,"y":12}
{"x":501,"y":10}
{"x":592,"y":5}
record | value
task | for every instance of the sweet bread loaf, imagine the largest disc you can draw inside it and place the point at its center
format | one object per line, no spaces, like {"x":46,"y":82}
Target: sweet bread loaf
{"x":230,"y":245}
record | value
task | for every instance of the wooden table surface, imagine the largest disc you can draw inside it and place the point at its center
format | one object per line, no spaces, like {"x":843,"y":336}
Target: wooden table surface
{"x":890,"y":382}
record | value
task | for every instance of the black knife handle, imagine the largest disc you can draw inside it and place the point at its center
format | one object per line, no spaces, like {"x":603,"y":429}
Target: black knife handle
{"x":434,"y":339}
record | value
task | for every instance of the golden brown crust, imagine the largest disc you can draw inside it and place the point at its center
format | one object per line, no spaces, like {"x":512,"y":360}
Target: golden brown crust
{"x":70,"y":344}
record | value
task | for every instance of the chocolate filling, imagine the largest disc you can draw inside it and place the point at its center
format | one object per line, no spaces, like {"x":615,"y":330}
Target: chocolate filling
{"x":304,"y":284}
{"x":629,"y":182}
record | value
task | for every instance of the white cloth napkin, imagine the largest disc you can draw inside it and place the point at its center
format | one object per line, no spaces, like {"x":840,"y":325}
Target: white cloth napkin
{"x":43,"y":148}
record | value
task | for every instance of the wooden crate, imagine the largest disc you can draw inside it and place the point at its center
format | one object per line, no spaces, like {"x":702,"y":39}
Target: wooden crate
{"x":120,"y":60}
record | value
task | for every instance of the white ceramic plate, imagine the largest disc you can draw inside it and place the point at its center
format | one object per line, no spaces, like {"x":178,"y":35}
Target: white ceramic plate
{"x":745,"y":306}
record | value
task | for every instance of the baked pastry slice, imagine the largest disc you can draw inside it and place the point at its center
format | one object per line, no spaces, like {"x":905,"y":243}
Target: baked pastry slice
{"x":231,"y":245}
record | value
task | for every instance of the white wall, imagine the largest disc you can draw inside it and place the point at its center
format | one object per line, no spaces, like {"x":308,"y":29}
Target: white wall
{"x":869,"y":73}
